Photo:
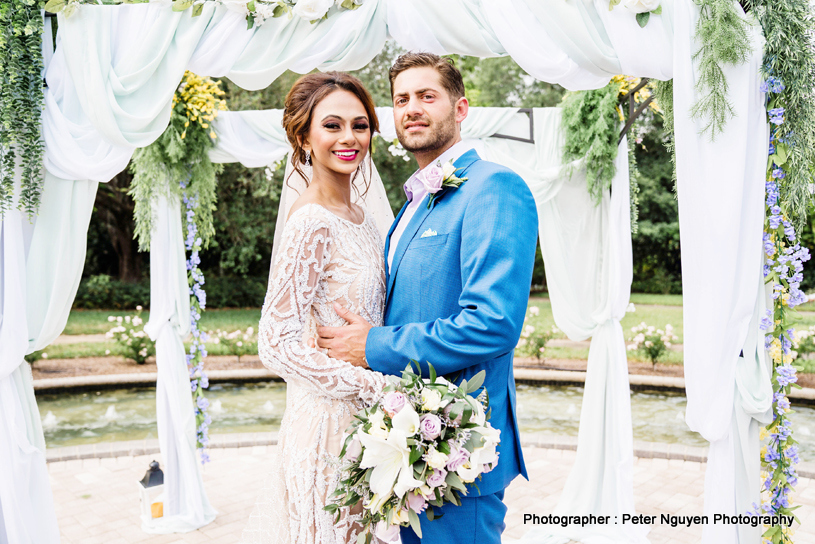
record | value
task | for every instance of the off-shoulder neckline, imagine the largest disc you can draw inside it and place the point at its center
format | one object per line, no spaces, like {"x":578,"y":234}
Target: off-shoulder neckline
{"x":364,"y":214}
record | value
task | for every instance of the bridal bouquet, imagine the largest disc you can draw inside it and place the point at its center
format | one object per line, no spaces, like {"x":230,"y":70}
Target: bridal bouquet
{"x":414,"y":450}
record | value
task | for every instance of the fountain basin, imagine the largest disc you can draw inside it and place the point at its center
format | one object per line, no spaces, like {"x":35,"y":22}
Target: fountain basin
{"x":80,"y":418}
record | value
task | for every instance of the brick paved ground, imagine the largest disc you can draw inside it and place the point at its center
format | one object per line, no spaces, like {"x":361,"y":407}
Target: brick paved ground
{"x":97,"y":499}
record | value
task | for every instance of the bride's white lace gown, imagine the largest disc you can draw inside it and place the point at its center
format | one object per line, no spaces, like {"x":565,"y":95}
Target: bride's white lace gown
{"x":324,"y":259}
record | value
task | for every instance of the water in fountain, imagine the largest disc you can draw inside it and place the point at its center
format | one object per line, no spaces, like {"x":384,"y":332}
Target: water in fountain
{"x":111,"y":414}
{"x":49,"y":421}
{"x":552,"y":410}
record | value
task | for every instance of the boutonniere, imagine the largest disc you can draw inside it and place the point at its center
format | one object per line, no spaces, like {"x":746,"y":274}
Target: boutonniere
{"x":437,"y":177}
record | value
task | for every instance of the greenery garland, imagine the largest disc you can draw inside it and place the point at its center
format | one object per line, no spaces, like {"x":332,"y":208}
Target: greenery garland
{"x":21,"y":103}
{"x":591,"y":131}
{"x":633,"y":184}
{"x":664,"y":95}
{"x":591,"y":123}
{"x":788,"y":56}
{"x":722,"y":34}
{"x":257,"y":11}
{"x":182,"y":151}
{"x":789,"y":71}
{"x":178,"y":163}
{"x":783,"y":270}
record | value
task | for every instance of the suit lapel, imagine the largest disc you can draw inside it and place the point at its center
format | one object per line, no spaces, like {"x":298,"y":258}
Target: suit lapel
{"x":388,"y":238}
{"x":463,"y":162}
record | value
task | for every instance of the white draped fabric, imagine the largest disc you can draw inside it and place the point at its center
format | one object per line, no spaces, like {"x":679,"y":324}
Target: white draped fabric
{"x":721,"y":191}
{"x":186,"y":506}
{"x":587,"y":254}
{"x":40,"y":268}
{"x":105,"y":98}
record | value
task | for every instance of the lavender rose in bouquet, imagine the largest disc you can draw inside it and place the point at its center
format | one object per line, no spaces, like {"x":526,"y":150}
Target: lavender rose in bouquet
{"x":414,"y":450}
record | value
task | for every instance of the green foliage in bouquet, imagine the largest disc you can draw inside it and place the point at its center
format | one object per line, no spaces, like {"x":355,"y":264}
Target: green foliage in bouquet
{"x":435,"y":455}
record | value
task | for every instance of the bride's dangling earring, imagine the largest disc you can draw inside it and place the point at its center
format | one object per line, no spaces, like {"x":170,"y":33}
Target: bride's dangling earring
{"x":308,"y":158}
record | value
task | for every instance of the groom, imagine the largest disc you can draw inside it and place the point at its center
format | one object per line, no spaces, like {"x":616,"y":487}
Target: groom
{"x":459,"y":268}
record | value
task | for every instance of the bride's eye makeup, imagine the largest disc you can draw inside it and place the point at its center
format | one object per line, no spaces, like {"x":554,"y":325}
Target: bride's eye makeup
{"x":361,"y":126}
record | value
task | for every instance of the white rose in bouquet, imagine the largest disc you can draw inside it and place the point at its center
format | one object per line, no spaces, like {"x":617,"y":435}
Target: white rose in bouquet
{"x":640,"y":6}
{"x":312,"y":10}
{"x":435,"y":459}
{"x":431,"y":400}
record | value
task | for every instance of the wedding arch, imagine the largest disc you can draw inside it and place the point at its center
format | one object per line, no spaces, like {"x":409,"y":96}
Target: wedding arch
{"x":737,"y":95}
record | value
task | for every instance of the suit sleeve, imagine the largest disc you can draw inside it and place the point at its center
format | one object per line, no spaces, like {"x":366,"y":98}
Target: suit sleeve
{"x":498,"y":242}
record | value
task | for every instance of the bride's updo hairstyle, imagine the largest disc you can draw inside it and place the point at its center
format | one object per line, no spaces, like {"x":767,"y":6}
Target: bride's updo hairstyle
{"x":304,"y":96}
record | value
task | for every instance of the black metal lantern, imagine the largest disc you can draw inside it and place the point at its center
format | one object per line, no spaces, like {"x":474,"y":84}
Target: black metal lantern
{"x":151,"y":490}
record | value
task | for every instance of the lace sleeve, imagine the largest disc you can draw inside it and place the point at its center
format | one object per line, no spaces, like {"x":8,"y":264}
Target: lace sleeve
{"x":294,"y":282}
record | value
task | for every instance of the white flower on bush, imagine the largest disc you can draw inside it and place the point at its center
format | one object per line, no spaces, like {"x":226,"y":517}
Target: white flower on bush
{"x":397,"y":150}
{"x":312,"y":10}
{"x":534,"y":310}
{"x":137,"y":345}
{"x":640,"y":6}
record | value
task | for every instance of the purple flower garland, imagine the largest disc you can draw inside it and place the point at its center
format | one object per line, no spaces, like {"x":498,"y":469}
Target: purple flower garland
{"x":783,"y":268}
{"x":198,"y":302}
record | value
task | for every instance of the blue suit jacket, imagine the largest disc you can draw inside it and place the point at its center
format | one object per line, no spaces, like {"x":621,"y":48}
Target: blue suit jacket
{"x":458,"y":299}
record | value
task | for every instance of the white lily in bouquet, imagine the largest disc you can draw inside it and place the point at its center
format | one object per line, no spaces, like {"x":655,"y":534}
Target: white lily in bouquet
{"x":414,"y":450}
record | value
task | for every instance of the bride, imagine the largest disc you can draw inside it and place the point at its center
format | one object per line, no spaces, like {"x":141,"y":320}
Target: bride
{"x":331,"y":251}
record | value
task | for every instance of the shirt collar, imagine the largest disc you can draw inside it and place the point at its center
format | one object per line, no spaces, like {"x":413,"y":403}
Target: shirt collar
{"x":415,"y":189}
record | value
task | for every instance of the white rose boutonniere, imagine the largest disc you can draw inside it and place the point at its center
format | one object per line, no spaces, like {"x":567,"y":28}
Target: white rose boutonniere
{"x":438,"y":177}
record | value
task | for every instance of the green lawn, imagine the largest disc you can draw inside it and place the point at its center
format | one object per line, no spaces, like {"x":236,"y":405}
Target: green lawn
{"x":656,"y":310}
{"x":658,"y":316}
{"x":96,"y":321}
{"x":102,"y":349}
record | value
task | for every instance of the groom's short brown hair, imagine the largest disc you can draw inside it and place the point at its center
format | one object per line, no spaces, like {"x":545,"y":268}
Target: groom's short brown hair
{"x":449,"y":75}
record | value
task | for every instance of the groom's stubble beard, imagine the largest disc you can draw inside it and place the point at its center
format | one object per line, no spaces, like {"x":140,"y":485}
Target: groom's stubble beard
{"x":439,"y":135}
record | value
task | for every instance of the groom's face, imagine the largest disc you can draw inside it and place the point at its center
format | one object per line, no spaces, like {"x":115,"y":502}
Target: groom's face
{"x":425,"y":116}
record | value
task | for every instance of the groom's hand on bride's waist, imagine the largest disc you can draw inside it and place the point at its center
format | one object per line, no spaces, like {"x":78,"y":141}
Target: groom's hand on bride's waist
{"x":346,"y":343}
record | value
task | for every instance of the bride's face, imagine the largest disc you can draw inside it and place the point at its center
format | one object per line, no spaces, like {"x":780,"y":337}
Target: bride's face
{"x":340,"y":133}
